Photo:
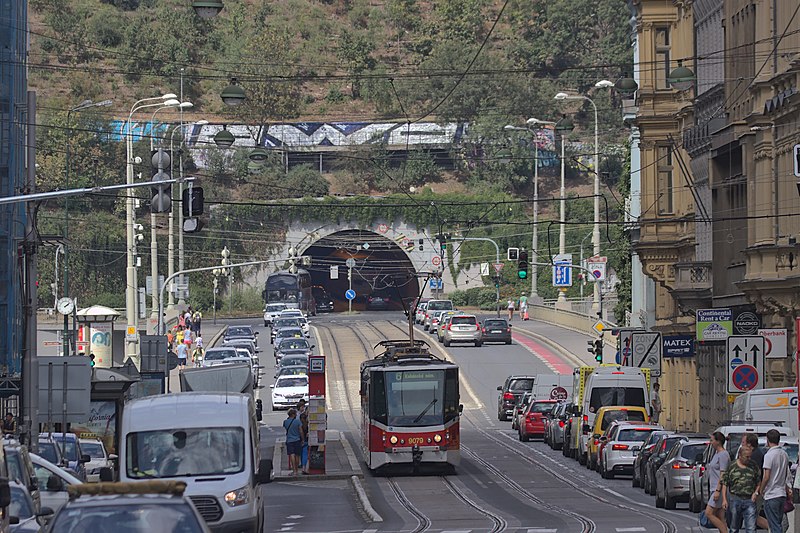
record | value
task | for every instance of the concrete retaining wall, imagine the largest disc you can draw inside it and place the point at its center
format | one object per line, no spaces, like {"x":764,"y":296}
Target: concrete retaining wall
{"x":570,"y":320}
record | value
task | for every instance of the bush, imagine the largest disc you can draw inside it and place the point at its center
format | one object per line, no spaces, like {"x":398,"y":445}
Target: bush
{"x":480,"y":297}
{"x":105,"y":26}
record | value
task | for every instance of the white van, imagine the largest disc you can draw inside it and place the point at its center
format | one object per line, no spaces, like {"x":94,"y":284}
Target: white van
{"x":552,"y":387}
{"x":608,"y":386}
{"x":210,"y":441}
{"x":767,"y":405}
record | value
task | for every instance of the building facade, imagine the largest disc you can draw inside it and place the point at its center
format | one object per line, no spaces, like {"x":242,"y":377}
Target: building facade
{"x":719,"y":196}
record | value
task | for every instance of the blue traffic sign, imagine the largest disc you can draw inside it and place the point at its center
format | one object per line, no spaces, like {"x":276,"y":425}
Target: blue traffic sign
{"x":745,"y":377}
{"x":350,"y":294}
{"x":562,"y":274}
{"x":436,"y":283}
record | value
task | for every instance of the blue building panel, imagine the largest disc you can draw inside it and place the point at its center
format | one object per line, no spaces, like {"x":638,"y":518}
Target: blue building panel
{"x":13,"y":119}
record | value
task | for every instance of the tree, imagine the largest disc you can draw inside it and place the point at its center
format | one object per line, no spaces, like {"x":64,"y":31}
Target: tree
{"x":355,"y":51}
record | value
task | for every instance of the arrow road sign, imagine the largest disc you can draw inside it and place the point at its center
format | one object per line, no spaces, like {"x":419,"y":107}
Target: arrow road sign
{"x":746,"y":365}
{"x":350,"y":294}
{"x":646,"y":348}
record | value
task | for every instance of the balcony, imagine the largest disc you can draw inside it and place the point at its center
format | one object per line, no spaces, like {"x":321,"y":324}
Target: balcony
{"x":693,"y":284}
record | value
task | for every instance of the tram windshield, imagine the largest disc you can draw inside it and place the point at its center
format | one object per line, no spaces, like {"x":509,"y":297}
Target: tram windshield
{"x":415,"y":398}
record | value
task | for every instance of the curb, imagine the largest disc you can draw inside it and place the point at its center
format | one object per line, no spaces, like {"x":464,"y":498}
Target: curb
{"x":215,"y":338}
{"x":277,"y":456}
{"x":348,"y":451}
{"x":361,"y":494}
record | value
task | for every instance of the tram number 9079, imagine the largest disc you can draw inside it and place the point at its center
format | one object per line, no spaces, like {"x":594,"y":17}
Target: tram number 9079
{"x":416,"y":440}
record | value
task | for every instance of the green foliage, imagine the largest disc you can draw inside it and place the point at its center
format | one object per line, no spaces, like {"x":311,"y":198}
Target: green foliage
{"x":355,"y":51}
{"x":480,"y":297}
{"x":105,"y":27}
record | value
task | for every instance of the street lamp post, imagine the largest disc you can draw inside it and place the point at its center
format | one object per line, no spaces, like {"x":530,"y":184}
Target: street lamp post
{"x":563,"y":127}
{"x":131,"y":341}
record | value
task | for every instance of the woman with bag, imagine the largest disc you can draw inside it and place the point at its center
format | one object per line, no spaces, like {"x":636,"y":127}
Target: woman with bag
{"x":714,"y":514}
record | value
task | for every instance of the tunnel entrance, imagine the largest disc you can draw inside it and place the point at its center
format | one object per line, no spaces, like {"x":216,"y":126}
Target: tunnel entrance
{"x":382,"y":275}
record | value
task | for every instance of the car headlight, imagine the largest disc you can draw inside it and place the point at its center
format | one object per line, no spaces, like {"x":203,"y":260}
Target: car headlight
{"x":393,"y":439}
{"x":238,"y":497}
{"x":277,"y":395}
{"x":437,"y":438}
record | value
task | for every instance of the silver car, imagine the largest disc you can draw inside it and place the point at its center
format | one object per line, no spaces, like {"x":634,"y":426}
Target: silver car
{"x":463,"y":328}
{"x":624,"y":442}
{"x":674,"y":475}
{"x":554,"y":435}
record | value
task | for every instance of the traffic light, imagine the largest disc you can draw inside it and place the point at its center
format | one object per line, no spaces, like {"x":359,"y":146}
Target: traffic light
{"x":596,"y":348}
{"x":442,"y":238}
{"x":513,"y":254}
{"x":421,"y":244}
{"x":522,"y":264}
{"x":160,"y":195}
{"x":192,"y":202}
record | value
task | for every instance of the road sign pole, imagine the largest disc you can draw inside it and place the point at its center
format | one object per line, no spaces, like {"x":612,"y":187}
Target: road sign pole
{"x":349,"y":288}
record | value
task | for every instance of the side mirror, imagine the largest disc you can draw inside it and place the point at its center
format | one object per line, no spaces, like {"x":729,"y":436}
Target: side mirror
{"x":45,"y":512}
{"x":264,"y":474}
{"x":5,"y":493}
{"x":85,"y":458}
{"x":596,"y":436}
{"x":54,"y":484}
{"x":113,"y":457}
{"x":509,"y":325}
{"x":106,"y":474}
{"x":313,"y":346}
{"x":273,"y":385}
{"x":460,"y":408}
{"x":13,"y":520}
{"x":256,"y":334}
{"x":500,"y":388}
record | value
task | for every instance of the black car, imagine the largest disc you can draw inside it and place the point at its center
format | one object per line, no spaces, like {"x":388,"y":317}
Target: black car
{"x":510,"y":393}
{"x":322,"y":299}
{"x":378,"y":301}
{"x":496,"y":330}
{"x":644,"y":455}
{"x":241,"y":332}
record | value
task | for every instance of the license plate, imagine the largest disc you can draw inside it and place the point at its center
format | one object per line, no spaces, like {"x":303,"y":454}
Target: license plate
{"x":495,"y":331}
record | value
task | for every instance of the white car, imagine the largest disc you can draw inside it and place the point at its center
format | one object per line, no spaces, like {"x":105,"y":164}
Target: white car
{"x":95,"y":449}
{"x":292,"y":313}
{"x":53,"y":482}
{"x":244,"y":357}
{"x":624,"y":442}
{"x":304,"y":326}
{"x":288,"y":390}
{"x":271,"y":312}
{"x":218,"y":356}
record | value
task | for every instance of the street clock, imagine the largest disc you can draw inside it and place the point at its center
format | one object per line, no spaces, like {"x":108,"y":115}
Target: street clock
{"x":65,"y":306}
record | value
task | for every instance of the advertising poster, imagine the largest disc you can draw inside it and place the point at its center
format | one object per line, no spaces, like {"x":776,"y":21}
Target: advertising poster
{"x":678,"y":346}
{"x":714,"y":324}
{"x":100,"y":344}
{"x":102,"y":424}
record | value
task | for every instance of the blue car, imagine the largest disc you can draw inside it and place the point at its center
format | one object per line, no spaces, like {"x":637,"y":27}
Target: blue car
{"x":71,"y":453}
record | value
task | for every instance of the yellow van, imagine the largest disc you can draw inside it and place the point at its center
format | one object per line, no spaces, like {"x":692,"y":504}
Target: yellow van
{"x":605,"y":416}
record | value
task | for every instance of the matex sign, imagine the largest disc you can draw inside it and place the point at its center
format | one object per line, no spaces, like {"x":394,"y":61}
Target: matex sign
{"x":678,"y":346}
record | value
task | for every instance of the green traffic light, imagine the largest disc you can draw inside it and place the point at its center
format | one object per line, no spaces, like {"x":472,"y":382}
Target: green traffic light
{"x":522,"y":274}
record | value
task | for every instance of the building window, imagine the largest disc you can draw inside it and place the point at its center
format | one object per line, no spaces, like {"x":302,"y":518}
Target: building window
{"x":664,"y":185}
{"x":662,"y":58}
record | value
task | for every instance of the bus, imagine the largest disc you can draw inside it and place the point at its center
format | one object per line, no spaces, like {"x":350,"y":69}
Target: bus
{"x":292,"y":289}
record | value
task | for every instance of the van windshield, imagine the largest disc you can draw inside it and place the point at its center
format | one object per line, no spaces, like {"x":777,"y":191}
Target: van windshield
{"x":185,"y":452}
{"x":605,"y":396}
{"x":440,"y":305}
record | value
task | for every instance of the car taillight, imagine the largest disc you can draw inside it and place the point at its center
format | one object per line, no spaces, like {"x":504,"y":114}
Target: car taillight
{"x":680,"y":465}
{"x":508,"y":330}
{"x":585,"y":419}
{"x":508,"y":396}
{"x":702,"y":470}
{"x":477,"y":328}
{"x":619,"y":447}
{"x":596,"y":442}
{"x":561,"y":423}
{"x":483,"y":330}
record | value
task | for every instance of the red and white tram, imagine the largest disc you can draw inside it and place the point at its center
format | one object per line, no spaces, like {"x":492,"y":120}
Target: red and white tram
{"x":410,"y":409}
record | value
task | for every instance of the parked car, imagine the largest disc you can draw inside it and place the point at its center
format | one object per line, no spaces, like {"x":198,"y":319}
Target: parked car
{"x":496,"y":330}
{"x":463,"y":328}
{"x":29,"y":519}
{"x":557,"y":424}
{"x":510,"y":393}
{"x":53,"y":482}
{"x":288,"y":390}
{"x":100,"y":458}
{"x":520,"y":408}
{"x":734,"y":431}
{"x":322,"y":300}
{"x":663,"y":447}
{"x":622,"y":444}
{"x":532,"y":424}
{"x":604,"y":417}
{"x":271,"y":312}
{"x":644,"y":454}
{"x":672,"y":477}
{"x":698,"y":481}
{"x":20,"y":469}
{"x":72,"y":453}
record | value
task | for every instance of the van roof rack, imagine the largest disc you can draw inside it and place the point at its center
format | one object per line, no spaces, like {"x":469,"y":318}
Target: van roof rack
{"x":777,"y":423}
{"x":171,"y":488}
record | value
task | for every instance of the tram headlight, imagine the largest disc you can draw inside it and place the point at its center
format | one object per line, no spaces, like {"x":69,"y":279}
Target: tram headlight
{"x":393,"y":439}
{"x":437,"y":438}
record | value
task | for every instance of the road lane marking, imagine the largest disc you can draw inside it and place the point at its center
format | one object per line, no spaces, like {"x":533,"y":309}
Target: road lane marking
{"x":552,"y":361}
{"x":623,"y":529}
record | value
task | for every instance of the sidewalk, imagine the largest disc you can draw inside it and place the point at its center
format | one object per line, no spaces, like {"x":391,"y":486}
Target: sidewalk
{"x":340,"y":460}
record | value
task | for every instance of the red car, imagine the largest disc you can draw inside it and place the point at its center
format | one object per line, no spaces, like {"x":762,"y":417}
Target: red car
{"x":532,"y":425}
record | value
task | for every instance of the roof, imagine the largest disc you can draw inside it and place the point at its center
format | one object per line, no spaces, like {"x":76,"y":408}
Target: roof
{"x":186,"y":409}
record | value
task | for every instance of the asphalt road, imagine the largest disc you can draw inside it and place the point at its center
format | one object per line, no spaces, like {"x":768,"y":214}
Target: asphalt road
{"x":501,"y":485}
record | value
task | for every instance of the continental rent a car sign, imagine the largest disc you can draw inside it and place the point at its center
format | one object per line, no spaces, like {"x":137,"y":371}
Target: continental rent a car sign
{"x":714,"y":324}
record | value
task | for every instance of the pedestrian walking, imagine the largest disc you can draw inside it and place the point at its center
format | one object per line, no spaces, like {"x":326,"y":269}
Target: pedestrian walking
{"x":294,"y":439}
{"x":775,"y":485}
{"x":750,"y":440}
{"x":655,"y":404}
{"x":197,"y":318}
{"x":510,"y":308}
{"x":523,"y":307}
{"x":199,"y":351}
{"x":740,"y":489}
{"x":170,"y":340}
{"x":179,"y":335}
{"x":181,"y":320}
{"x":183,"y":354}
{"x":304,"y":449}
{"x":714,"y":468}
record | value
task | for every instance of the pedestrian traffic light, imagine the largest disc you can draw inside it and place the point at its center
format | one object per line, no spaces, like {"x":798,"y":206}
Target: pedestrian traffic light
{"x":421,"y":244}
{"x":160,"y":195}
{"x":192,"y":201}
{"x":522,"y":264}
{"x":596,"y":348}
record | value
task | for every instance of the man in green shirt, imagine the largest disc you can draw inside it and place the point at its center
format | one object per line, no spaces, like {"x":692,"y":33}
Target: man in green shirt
{"x":740,"y":488}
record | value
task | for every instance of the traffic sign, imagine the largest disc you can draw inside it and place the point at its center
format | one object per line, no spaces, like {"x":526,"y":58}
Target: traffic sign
{"x":498,"y":267}
{"x":746,"y":365}
{"x":775,"y":342}
{"x":383,"y":228}
{"x":350,"y":262}
{"x":436,"y":283}
{"x":436,"y":260}
{"x":350,"y":294}
{"x":131,"y":334}
{"x":334,"y":272}
{"x":646,"y":351}
{"x":597,"y":266}
{"x":600,"y":326}
{"x":558,"y":393}
{"x":562,"y":270}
